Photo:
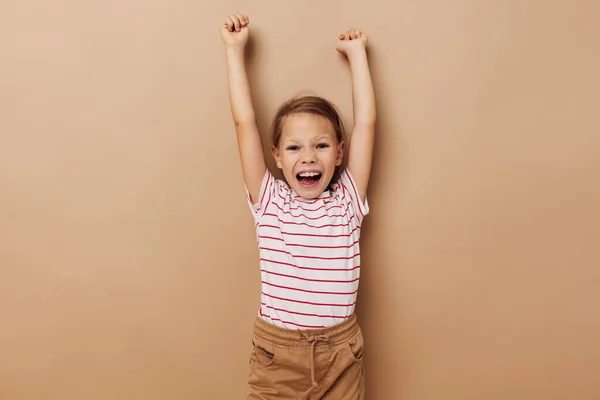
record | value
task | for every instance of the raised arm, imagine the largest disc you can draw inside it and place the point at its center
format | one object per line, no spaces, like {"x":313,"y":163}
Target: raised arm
{"x":353,"y":43}
{"x":235,"y":33}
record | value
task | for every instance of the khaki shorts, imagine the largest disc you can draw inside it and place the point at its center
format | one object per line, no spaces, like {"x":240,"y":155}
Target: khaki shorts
{"x":287,"y":364}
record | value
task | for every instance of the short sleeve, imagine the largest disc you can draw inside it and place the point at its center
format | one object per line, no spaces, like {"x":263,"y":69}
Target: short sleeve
{"x":265,"y":195}
{"x":348,"y":186}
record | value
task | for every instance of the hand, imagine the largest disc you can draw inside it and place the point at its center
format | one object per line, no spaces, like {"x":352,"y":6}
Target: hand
{"x":235,"y":31}
{"x":351,"y":41}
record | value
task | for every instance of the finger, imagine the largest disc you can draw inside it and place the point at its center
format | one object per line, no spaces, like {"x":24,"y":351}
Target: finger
{"x":236,"y":22}
{"x":229,"y":23}
{"x":357,"y":33}
{"x":346,"y":35}
{"x":351,"y":34}
{"x":241,"y":18}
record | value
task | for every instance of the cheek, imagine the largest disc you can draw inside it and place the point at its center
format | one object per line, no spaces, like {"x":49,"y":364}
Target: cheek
{"x":334,"y":156}
{"x":288,"y":163}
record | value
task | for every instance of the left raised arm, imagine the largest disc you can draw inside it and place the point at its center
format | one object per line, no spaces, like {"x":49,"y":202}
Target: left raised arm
{"x":353,"y":44}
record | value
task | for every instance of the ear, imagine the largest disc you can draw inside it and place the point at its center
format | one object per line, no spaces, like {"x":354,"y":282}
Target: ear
{"x":276,"y":156}
{"x":340,"y":153}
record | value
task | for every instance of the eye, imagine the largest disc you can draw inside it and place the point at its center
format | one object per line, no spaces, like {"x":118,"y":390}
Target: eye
{"x":322,"y":145}
{"x":292,"y":148}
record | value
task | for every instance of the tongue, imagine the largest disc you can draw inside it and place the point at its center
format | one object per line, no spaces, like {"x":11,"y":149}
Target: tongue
{"x":309,"y":181}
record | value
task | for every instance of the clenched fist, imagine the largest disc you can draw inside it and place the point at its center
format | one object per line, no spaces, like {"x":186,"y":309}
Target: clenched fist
{"x":352,"y":40}
{"x":235,"y":31}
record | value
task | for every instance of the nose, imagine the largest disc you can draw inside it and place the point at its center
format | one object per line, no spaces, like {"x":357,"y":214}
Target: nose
{"x":309,"y":157}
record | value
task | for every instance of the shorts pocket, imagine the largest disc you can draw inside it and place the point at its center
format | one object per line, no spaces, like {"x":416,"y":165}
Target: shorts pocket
{"x":262,"y":354}
{"x":355,"y":346}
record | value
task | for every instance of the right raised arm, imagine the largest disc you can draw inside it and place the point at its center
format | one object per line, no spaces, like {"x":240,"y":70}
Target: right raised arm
{"x":235,"y":33}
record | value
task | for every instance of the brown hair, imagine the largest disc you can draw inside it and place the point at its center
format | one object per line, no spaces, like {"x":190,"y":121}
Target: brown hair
{"x":310,"y":105}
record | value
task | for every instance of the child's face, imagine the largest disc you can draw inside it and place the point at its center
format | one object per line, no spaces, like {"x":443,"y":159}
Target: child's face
{"x":308,"y":153}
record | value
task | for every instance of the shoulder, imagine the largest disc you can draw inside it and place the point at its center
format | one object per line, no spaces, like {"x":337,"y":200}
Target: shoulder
{"x":277,"y":191}
{"x":346,"y":190}
{"x":272,"y":190}
{"x":343,"y":182}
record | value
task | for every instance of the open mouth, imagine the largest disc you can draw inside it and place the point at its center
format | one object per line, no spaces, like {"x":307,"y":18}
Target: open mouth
{"x":308,"y":179}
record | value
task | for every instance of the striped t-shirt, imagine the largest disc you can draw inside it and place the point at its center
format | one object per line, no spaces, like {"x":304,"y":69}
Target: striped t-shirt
{"x":309,"y":252}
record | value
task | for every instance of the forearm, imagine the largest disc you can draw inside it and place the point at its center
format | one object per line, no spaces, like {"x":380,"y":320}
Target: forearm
{"x":240,"y":99}
{"x":363,"y":94}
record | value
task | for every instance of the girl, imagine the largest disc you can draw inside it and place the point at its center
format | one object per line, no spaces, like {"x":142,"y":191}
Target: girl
{"x":307,"y":343}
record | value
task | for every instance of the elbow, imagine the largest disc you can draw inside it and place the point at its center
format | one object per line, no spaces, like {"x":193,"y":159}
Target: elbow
{"x":367,"y":117}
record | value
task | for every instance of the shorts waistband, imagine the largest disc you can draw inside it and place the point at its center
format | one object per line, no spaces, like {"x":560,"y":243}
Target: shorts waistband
{"x":297,"y":337}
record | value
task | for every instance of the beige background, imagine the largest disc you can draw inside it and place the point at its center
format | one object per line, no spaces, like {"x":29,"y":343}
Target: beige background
{"x":127,"y":257}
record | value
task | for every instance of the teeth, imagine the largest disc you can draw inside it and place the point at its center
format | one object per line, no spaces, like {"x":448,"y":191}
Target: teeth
{"x":307,"y":174}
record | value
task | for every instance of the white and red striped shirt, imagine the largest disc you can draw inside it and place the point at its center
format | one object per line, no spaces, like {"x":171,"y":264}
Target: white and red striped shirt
{"x":309,"y":252}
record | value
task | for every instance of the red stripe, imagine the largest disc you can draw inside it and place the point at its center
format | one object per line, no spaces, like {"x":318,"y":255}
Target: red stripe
{"x":308,"y":302}
{"x":305,"y":245}
{"x":307,"y":217}
{"x":311,"y":257}
{"x":340,"y":206}
{"x":291,"y":323}
{"x":308,"y":268}
{"x":306,"y":314}
{"x":267,"y":185}
{"x":266,"y":204}
{"x":310,"y":209}
{"x":310,"y":226}
{"x":309,"y":280}
{"x":356,"y":196}
{"x":307,"y":201}
{"x":310,"y":234}
{"x":308,"y":291}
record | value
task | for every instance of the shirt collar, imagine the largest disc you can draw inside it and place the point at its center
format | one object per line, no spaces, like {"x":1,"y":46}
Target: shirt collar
{"x":325,"y":196}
